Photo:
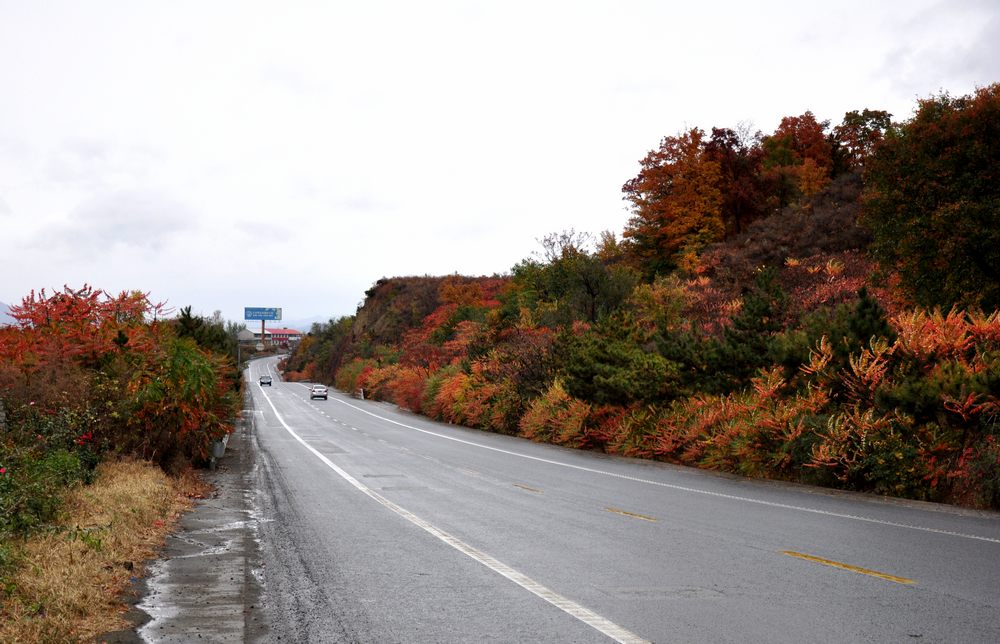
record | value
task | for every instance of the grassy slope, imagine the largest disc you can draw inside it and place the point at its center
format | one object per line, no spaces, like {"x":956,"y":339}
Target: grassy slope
{"x":69,"y":585}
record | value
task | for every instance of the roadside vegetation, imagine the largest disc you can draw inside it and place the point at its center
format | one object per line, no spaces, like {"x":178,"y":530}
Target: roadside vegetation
{"x":72,"y":573}
{"x":816,"y":304}
{"x":101,"y":398}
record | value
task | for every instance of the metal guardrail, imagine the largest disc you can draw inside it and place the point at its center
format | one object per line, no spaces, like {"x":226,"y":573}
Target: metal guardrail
{"x":218,"y":450}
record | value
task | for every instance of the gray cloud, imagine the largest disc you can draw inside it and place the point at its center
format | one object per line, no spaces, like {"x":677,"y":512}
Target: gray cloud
{"x":950,"y":43}
{"x":5,"y":209}
{"x":14,"y":148}
{"x":356,"y":140}
{"x":262,"y":230}
{"x":141,"y":219}
{"x":98,"y":164}
{"x":980,"y":59}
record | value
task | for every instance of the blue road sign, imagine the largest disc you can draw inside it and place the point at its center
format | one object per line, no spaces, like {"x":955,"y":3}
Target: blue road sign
{"x":261,"y":313}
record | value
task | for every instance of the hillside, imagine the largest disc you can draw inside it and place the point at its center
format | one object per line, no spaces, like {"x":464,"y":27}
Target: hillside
{"x":753,"y":317}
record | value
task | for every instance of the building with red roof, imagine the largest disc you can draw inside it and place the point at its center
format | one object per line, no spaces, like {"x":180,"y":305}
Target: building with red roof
{"x":282,"y":337}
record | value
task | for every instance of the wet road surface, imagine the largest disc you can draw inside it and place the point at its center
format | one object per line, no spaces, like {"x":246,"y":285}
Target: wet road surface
{"x":361,"y":523}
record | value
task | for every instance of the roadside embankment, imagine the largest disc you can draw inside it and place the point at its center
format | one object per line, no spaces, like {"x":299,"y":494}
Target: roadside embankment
{"x":69,"y":582}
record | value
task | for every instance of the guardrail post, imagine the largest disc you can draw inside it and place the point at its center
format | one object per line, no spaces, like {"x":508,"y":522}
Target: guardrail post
{"x":218,"y":450}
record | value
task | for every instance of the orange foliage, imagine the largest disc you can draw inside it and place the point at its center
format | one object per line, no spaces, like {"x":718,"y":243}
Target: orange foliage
{"x":677,"y":202}
{"x":812,"y":177}
{"x":556,"y":417}
{"x":754,"y":433}
{"x":457,"y":291}
{"x":934,"y":335}
{"x":406,"y":387}
{"x":469,"y":399}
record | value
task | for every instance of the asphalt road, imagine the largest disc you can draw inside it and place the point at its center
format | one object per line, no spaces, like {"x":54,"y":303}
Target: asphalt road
{"x":377,"y":525}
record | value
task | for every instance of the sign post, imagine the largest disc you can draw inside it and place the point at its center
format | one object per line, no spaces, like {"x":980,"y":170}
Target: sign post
{"x":261,"y":313}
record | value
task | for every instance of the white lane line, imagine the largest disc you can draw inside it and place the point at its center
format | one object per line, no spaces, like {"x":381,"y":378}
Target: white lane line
{"x":585,"y":615}
{"x":682,"y":488}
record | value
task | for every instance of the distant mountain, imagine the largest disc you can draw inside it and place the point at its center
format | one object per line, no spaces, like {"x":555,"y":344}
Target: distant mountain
{"x":5,"y":318}
{"x":303,"y":324}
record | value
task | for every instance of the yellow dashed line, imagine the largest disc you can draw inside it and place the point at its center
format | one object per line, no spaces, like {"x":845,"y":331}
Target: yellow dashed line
{"x":632,"y":514}
{"x":843,"y":566}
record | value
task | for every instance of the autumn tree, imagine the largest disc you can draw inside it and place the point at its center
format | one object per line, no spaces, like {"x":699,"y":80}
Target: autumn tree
{"x":859,"y":133}
{"x":745,"y":194}
{"x":932,"y":200}
{"x":106,"y":372}
{"x":676,"y":203}
{"x":798,"y":157}
{"x":610,"y":249}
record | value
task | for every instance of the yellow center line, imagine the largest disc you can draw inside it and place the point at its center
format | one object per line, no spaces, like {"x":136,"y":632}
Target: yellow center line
{"x":530,"y":489}
{"x":632,"y":514}
{"x":843,"y":566}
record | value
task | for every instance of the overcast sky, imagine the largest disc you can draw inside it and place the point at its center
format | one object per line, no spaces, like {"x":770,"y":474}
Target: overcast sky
{"x":288,"y":154}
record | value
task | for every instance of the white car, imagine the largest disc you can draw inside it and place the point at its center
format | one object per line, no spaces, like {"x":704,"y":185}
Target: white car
{"x":318,"y":391}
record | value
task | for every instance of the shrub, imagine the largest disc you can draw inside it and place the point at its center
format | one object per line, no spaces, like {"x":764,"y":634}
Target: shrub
{"x":636,"y":432}
{"x":866,"y":450}
{"x":182,"y":403}
{"x":450,"y":396}
{"x":977,"y":478}
{"x":761,"y":432}
{"x":429,"y":403}
{"x":348,"y":377}
{"x":555,"y":417}
{"x":31,"y":486}
{"x":407,"y":386}
{"x":375,"y":381}
{"x":607,"y":365}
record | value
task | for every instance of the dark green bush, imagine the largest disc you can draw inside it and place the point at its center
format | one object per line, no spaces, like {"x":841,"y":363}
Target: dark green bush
{"x":31,"y":487}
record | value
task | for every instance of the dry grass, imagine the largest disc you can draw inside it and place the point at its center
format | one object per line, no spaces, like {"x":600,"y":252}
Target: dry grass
{"x":70,"y":581}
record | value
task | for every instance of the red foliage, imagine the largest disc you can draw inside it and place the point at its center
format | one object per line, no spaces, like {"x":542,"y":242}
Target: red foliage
{"x":805,"y":138}
{"x":109,"y":363}
{"x":407,"y":387}
{"x":79,"y":326}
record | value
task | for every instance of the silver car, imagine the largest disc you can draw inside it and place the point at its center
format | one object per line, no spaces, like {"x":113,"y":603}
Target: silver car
{"x":318,"y":391}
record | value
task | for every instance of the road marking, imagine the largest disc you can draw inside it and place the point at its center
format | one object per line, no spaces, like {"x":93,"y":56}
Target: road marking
{"x":530,"y":489}
{"x":585,"y":615}
{"x":843,"y":566}
{"x":682,"y":488}
{"x":626,"y":513}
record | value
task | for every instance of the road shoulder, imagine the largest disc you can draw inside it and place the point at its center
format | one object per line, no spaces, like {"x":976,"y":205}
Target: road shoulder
{"x":207,"y":584}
